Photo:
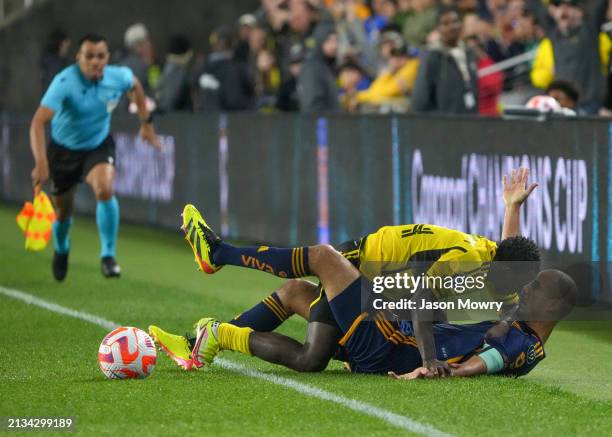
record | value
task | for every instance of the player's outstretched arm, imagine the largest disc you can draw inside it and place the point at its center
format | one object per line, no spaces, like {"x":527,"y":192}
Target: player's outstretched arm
{"x":516,"y":190}
{"x":40,"y":173}
{"x":473,"y":367}
{"x":147,"y":131}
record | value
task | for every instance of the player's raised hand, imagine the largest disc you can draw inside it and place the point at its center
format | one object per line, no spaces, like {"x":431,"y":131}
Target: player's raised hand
{"x":418,"y":373}
{"x":516,"y":187}
{"x":40,"y":174}
{"x":147,"y":133}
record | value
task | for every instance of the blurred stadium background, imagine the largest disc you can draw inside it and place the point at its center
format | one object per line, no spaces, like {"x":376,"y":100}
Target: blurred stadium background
{"x":247,"y":141}
{"x":233,"y":86}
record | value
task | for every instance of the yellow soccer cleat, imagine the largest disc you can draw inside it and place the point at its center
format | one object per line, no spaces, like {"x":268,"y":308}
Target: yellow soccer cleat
{"x":206,"y":346}
{"x":200,"y":237}
{"x":175,"y":346}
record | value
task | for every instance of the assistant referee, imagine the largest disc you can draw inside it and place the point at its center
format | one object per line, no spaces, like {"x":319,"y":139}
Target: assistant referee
{"x":79,"y":104}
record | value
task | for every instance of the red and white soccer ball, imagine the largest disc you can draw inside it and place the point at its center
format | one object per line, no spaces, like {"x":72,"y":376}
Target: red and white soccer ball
{"x":126,"y":353}
{"x":544,"y":104}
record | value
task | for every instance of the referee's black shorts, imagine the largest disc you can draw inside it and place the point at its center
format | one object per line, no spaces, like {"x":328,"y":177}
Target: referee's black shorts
{"x":69,"y":167}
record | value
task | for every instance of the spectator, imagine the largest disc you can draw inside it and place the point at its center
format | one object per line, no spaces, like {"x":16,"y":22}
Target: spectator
{"x":395,"y":84}
{"x":317,"y":87}
{"x":303,"y":23}
{"x":352,"y":79}
{"x":404,"y":9}
{"x":420,"y":22}
{"x":257,"y":40}
{"x":288,"y":99}
{"x":223,"y":83}
{"x":267,"y":80}
{"x":529,"y":34}
{"x":565,"y":93}
{"x":382,"y":12}
{"x":245,"y":25}
{"x":510,"y":39}
{"x":573,"y":50}
{"x":275,"y":13}
{"x":141,"y":57}
{"x":258,"y":43}
{"x":490,"y":86}
{"x":55,"y":57}
{"x":386,"y":43}
{"x":447,"y":77}
{"x":353,"y":44}
{"x":174,"y":91}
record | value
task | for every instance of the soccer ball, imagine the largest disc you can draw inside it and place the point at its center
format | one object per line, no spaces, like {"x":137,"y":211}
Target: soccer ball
{"x":127,"y":352}
{"x":544,"y":104}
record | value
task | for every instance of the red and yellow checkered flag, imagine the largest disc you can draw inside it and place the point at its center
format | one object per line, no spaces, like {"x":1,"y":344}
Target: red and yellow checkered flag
{"x":35,"y":220}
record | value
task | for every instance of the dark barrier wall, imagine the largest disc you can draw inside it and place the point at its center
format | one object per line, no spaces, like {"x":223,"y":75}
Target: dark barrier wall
{"x":22,"y":41}
{"x":292,"y":180}
{"x":152,"y":186}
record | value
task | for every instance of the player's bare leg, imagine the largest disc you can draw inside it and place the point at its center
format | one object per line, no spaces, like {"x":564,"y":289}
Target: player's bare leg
{"x":334,"y":271}
{"x":100,"y":179}
{"x":313,"y":356}
{"x":297,"y":295}
{"x":321,"y":342}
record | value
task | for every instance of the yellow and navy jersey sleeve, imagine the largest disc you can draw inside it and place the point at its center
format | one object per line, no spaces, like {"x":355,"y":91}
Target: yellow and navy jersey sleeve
{"x":521,"y":350}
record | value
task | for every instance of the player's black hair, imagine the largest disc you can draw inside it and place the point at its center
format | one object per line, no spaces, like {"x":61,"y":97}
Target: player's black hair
{"x":566,"y":87}
{"x":91,"y":37}
{"x":517,"y":248}
{"x":446,"y":9}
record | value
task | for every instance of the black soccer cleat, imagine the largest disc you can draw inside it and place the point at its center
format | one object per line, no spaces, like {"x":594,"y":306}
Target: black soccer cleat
{"x":110,"y":268}
{"x":60,"y":266}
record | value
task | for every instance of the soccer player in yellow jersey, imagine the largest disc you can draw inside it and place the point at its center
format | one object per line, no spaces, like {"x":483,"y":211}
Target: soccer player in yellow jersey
{"x":393,"y":245}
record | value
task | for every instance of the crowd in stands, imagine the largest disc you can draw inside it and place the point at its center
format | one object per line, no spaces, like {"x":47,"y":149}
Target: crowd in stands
{"x":377,"y":56}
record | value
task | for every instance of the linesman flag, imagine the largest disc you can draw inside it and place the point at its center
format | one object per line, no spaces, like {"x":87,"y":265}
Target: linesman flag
{"x":35,"y":221}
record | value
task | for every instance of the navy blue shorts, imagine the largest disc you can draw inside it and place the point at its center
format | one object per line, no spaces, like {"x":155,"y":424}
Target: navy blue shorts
{"x":373,"y":344}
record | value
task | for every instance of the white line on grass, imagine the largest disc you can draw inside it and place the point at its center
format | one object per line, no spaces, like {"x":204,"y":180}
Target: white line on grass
{"x":308,"y":390}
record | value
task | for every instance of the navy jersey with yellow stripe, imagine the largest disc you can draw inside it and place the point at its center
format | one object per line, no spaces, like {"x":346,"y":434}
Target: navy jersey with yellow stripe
{"x":521,"y":349}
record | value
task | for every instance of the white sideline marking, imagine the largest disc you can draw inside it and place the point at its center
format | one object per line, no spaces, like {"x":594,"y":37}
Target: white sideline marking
{"x":352,"y":404}
{"x":53,"y":307}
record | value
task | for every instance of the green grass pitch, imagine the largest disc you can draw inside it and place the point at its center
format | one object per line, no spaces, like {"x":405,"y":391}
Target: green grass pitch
{"x":48,"y":362}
